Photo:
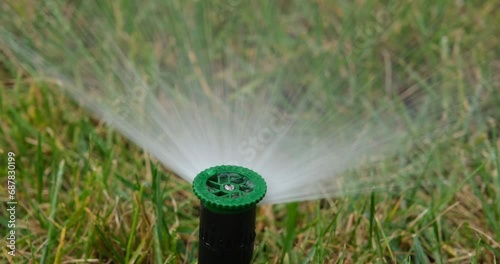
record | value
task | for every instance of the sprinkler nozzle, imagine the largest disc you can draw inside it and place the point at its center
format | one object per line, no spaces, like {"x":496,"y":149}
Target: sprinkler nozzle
{"x":228,"y":195}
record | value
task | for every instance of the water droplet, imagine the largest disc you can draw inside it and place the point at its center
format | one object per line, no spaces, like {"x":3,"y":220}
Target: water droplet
{"x":229,"y":187}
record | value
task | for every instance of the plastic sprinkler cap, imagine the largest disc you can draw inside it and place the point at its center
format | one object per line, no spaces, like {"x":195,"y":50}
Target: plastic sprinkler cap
{"x":229,"y":189}
{"x":229,"y":195}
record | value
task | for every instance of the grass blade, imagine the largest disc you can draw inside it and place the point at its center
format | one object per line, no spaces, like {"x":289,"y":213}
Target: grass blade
{"x":57,"y":181}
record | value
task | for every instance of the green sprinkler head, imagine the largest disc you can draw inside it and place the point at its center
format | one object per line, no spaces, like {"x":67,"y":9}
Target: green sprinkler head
{"x":228,"y":195}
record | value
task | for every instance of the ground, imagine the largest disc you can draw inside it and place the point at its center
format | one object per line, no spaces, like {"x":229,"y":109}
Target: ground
{"x":86,"y":194}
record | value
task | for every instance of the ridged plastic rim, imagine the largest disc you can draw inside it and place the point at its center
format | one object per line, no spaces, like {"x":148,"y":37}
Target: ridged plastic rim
{"x":224,"y":202}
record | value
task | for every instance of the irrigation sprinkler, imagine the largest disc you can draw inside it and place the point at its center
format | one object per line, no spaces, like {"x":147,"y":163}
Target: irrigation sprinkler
{"x":229,"y":196}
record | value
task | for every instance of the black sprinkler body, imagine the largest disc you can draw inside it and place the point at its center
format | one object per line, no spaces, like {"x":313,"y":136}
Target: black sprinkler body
{"x":228,"y":195}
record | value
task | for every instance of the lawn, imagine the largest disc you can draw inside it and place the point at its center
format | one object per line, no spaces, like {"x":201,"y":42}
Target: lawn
{"x":86,"y":194}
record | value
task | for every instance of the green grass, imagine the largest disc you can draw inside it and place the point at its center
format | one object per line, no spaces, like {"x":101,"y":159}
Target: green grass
{"x":86,"y":194}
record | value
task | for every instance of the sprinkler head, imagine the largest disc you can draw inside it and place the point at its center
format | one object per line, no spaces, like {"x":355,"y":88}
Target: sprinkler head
{"x":228,"y":195}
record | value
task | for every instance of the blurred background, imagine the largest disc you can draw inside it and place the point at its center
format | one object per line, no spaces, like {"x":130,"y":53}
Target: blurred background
{"x":88,"y":195}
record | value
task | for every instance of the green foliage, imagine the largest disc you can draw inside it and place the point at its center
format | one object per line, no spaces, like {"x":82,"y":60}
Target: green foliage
{"x":86,"y":193}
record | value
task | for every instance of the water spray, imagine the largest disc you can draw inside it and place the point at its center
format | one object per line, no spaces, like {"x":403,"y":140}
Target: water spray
{"x":229,"y":196}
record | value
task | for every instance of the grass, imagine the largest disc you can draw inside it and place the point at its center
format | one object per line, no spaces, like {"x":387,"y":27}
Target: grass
{"x":86,"y":194}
